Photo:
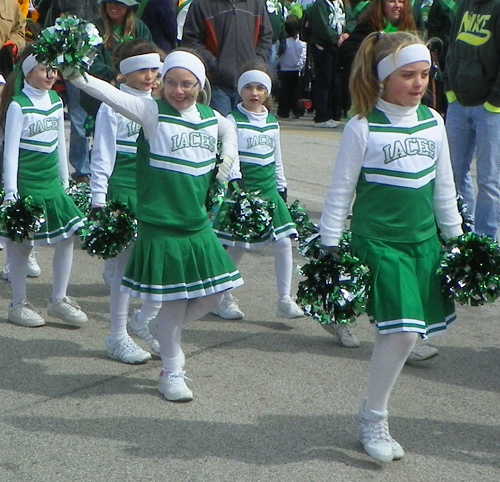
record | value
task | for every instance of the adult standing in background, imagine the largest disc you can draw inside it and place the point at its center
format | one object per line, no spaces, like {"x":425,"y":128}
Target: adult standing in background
{"x":328,"y":23}
{"x":472,"y":85}
{"x":161,"y":20}
{"x":227,"y":34}
{"x":12,"y":40}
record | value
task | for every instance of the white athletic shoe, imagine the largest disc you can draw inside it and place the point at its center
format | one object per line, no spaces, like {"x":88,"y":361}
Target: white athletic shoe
{"x":422,"y":353}
{"x":34,"y":270}
{"x":67,"y":310}
{"x":329,"y":124}
{"x":142,"y":331}
{"x":229,"y":309}
{"x":173,"y":386}
{"x":127,"y":351}
{"x":287,"y":308}
{"x":24,"y":314}
{"x":342,"y":332}
{"x":374,"y":435}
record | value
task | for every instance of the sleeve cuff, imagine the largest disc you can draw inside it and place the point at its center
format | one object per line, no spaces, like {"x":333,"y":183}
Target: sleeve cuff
{"x":491,"y":108}
{"x":451,"y":97}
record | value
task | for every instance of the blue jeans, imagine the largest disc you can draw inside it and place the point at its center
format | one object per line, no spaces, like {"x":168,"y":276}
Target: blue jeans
{"x":223,"y":99}
{"x":475,"y":130}
{"x":78,"y":143}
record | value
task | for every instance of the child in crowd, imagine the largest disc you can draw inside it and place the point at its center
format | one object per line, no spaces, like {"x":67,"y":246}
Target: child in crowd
{"x":394,"y":156}
{"x":177,"y":259}
{"x":35,"y":164}
{"x":260,"y":167}
{"x":113,"y":178}
{"x":291,"y":63}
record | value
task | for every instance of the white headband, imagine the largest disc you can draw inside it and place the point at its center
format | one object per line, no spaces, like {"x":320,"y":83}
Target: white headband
{"x":185,"y":60}
{"x":139,"y":62}
{"x":407,"y":55}
{"x":254,"y":76}
{"x":29,"y":63}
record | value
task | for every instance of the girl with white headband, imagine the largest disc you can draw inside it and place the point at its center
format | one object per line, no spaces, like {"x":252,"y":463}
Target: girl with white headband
{"x":394,"y":158}
{"x":113,"y":165}
{"x":177,"y":259}
{"x":260,"y":167}
{"x":35,"y":164}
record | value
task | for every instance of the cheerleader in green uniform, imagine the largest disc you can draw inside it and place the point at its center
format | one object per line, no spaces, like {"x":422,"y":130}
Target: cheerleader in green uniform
{"x":35,"y":164}
{"x":113,"y":178}
{"x":394,"y":160}
{"x":177,"y":259}
{"x":260,"y":166}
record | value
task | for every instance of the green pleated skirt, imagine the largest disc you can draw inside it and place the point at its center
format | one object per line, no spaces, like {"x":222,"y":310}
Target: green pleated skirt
{"x":62,"y":216}
{"x":406,"y":291}
{"x":170,"y":265}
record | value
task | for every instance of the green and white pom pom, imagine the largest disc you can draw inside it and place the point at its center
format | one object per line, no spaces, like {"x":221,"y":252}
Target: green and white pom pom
{"x":69,"y":45}
{"x":21,"y":219}
{"x":81,"y":195}
{"x":246,"y":215}
{"x":470,"y":268}
{"x":110,"y":232}
{"x":335,"y":290}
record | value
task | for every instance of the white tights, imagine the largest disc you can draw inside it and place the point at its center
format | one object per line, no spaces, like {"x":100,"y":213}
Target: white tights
{"x":283,"y":263}
{"x":389,"y":356}
{"x":172,"y":318}
{"x":18,"y":254}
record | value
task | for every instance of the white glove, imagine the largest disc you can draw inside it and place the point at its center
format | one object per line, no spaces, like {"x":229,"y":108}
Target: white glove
{"x":223,"y":168}
{"x":69,"y":73}
{"x":10,"y":196}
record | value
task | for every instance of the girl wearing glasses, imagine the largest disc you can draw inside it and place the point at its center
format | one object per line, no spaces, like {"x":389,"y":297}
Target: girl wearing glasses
{"x":177,"y":259}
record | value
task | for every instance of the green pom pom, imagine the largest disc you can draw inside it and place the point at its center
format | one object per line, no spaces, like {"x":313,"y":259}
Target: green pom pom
{"x":335,"y":290}
{"x":68,"y":45}
{"x":246,"y":215}
{"x":305,"y":227}
{"x":470,"y":268}
{"x":81,"y":195}
{"x":110,"y":232}
{"x":21,"y":219}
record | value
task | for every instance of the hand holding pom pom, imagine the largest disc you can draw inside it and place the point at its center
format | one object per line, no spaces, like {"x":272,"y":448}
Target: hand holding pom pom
{"x":110,"y":232}
{"x":69,"y":46}
{"x":471,"y":270}
{"x":20,"y":219}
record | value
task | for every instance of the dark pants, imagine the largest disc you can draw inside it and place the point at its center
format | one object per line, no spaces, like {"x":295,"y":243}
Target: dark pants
{"x":289,"y":94}
{"x":327,"y":96}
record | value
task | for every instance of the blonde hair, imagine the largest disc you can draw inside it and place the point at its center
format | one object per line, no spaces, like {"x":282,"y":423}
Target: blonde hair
{"x":364,"y":85}
{"x":128,"y":26}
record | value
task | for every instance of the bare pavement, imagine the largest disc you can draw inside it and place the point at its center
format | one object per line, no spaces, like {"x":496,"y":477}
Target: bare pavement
{"x":275,"y":400}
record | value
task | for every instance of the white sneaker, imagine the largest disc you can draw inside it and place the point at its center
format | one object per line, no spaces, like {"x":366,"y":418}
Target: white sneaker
{"x":374,"y":435}
{"x":33,"y":269}
{"x":342,"y":332}
{"x":229,"y":309}
{"x":109,"y":271}
{"x":142,"y":331}
{"x":422,"y":353}
{"x":67,"y":310}
{"x":173,"y":386}
{"x":329,"y":124}
{"x":127,"y":351}
{"x":24,"y":314}
{"x":287,"y":308}
{"x":1,"y":246}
